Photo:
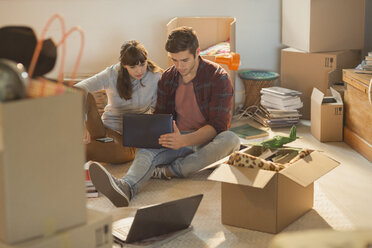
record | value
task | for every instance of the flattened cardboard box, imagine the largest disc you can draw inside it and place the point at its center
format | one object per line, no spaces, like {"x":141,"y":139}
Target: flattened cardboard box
{"x":96,"y":233}
{"x":327,"y":118}
{"x":323,"y":25}
{"x":303,"y":71}
{"x":268,"y":201}
{"x":41,"y":166}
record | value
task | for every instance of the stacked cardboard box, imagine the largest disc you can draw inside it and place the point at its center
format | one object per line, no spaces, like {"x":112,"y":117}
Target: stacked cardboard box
{"x":42,"y":189}
{"x":41,"y":176}
{"x":324,"y":36}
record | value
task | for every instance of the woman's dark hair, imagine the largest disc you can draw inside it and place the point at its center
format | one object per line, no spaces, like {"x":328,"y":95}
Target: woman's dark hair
{"x":182,"y":39}
{"x":132,"y":53}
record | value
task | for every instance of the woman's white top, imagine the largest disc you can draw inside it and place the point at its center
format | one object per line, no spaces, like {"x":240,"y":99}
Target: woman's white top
{"x":143,"y":97}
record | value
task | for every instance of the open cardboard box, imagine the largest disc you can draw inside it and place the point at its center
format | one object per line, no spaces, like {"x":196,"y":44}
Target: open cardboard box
{"x":268,"y":201}
{"x":327,"y":118}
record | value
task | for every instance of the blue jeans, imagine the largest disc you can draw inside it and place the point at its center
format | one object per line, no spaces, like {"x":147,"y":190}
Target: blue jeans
{"x":181,"y":162}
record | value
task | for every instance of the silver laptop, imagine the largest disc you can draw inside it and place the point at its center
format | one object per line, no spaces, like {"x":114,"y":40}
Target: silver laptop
{"x":157,"y":220}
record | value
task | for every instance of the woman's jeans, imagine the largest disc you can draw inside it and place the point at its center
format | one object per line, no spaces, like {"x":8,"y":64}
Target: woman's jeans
{"x":181,"y":162}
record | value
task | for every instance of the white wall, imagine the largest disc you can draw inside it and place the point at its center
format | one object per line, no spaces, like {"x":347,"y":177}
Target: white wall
{"x":108,"y":23}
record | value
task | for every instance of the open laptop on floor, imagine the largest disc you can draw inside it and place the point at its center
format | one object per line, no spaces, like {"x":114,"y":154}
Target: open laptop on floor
{"x":157,"y":220}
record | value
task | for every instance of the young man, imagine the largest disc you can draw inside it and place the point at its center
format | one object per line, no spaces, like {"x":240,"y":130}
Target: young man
{"x":199,"y":94}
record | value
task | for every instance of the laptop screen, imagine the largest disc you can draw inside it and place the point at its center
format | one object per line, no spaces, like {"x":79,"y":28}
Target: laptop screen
{"x":164,"y":218}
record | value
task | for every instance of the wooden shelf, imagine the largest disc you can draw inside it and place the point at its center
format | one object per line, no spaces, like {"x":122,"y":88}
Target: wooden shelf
{"x":358,"y":112}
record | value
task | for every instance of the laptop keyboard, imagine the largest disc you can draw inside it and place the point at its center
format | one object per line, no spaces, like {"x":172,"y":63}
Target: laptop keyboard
{"x":120,"y":228}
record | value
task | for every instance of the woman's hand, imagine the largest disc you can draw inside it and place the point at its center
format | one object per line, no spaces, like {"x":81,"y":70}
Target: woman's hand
{"x":173,"y":140}
{"x":86,"y":137}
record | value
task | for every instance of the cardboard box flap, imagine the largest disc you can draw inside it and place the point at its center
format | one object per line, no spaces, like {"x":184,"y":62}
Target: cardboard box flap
{"x":317,"y":96}
{"x":310,"y":168}
{"x":336,"y":95}
{"x":334,"y":76}
{"x":243,"y":176}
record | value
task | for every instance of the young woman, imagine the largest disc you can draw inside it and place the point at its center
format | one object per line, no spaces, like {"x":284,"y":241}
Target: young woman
{"x":131,"y":87}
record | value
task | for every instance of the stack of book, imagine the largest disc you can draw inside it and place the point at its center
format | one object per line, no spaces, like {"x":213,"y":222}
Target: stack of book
{"x":279,"y":107}
{"x":366,"y":65}
{"x":91,"y":191}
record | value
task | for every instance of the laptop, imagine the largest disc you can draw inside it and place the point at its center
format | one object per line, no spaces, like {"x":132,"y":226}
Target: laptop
{"x":157,"y":220}
{"x":144,"y":130}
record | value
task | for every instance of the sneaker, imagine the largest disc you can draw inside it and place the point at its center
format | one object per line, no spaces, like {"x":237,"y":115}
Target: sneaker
{"x":116,"y":190}
{"x":159,"y":173}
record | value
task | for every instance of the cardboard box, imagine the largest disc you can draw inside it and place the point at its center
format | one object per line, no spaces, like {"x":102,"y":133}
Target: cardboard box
{"x":210,"y":31}
{"x":41,"y":166}
{"x":323,"y":25}
{"x":323,"y":238}
{"x":96,"y":233}
{"x":303,"y":71}
{"x":268,"y":201}
{"x":327,"y":118}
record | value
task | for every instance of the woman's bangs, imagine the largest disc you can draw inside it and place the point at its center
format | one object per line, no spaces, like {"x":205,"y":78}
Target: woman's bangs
{"x":135,"y":57}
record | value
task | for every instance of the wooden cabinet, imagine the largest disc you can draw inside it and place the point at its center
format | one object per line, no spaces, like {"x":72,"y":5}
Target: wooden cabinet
{"x":358,"y":112}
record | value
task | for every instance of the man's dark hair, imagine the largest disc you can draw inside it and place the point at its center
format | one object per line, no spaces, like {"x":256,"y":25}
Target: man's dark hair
{"x":182,"y":39}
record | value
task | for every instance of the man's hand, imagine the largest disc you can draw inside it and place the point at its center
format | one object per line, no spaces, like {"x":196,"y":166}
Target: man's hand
{"x":173,"y":140}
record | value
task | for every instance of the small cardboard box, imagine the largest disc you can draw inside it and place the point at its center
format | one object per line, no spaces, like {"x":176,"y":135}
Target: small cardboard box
{"x":41,"y":166}
{"x":268,"y":201}
{"x":96,"y":233}
{"x":303,"y":71}
{"x":327,"y":118}
{"x":323,"y":25}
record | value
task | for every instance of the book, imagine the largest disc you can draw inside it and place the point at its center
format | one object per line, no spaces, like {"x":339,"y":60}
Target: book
{"x":93,"y":194}
{"x":366,"y":64}
{"x":278,"y":106}
{"x":276,"y":117}
{"x":360,"y":69}
{"x":281,"y":102}
{"x":271,"y":94}
{"x":277,"y":113}
{"x":247,"y":131}
{"x":281,"y":91}
{"x":91,"y":191}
